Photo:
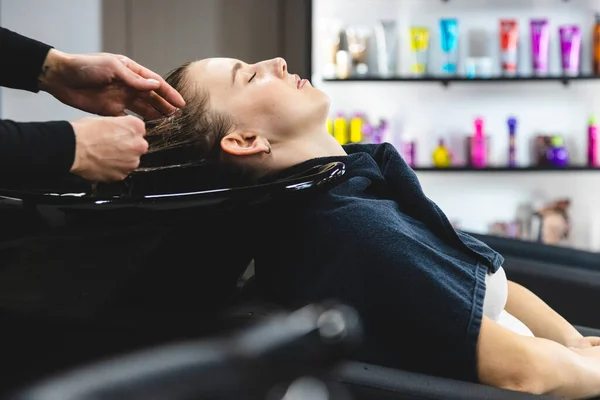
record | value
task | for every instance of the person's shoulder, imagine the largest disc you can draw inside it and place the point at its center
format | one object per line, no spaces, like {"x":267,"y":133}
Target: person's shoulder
{"x":369,"y":148}
{"x":354,"y":148}
{"x":383,"y":154}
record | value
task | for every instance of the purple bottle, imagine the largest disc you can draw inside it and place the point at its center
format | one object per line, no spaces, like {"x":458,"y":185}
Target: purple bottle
{"x":409,"y":153}
{"x":593,"y":160}
{"x":368,"y":132}
{"x":379,"y":132}
{"x":558,"y":155}
{"x":512,"y":139}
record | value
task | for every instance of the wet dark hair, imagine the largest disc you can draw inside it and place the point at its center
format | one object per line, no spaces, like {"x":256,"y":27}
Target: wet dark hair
{"x":193,"y":135}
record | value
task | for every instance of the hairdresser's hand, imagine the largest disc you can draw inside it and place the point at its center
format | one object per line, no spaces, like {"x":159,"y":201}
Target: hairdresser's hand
{"x":107,"y":84}
{"x":108,"y":148}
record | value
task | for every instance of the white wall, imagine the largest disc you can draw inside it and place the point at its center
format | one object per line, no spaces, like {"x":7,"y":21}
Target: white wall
{"x":68,"y":25}
{"x":428,"y":111}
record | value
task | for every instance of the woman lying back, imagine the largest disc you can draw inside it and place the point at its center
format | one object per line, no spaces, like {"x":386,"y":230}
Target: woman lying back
{"x":432,"y":299}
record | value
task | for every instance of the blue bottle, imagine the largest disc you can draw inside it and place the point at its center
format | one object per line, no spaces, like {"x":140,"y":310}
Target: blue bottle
{"x":449,"y":41}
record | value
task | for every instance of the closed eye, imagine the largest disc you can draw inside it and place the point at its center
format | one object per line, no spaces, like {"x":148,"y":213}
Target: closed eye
{"x":252,"y":77}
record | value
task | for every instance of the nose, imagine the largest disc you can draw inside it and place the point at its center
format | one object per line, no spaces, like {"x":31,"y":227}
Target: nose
{"x":279,"y":66}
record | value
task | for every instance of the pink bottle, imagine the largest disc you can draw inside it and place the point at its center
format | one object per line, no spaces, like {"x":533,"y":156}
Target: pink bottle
{"x":478,"y":146}
{"x":593,"y":144}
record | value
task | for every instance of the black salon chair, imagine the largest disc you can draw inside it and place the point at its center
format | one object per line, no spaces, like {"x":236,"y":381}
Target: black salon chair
{"x":259,"y":360}
{"x":103,"y":269}
{"x":93,"y":272}
{"x":538,"y":251}
{"x":567,"y":279}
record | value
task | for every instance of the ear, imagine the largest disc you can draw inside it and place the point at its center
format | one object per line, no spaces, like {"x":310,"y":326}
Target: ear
{"x":244,"y":144}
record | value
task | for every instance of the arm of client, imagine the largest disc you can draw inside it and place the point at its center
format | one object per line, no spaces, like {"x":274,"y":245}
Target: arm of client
{"x":535,"y":365}
{"x":543,"y":321}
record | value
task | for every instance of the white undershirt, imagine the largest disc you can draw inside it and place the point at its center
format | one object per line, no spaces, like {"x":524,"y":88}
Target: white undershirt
{"x":496,"y":294}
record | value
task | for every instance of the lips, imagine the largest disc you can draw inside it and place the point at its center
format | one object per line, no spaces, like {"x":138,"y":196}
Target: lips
{"x":300,"y":82}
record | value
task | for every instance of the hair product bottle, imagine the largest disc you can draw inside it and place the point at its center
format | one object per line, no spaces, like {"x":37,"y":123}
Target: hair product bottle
{"x":512,"y":139}
{"x":593,"y":143}
{"x":479,"y":146}
{"x":379,"y":132}
{"x":449,"y":40}
{"x":343,"y":64}
{"x":367,"y":132}
{"x":356,"y":128}
{"x":596,"y":44}
{"x":419,"y":45}
{"x":558,"y":155}
{"x":540,"y":40}
{"x":442,"y":158}
{"x":340,"y":128}
{"x":409,"y":151}
{"x":509,"y":45}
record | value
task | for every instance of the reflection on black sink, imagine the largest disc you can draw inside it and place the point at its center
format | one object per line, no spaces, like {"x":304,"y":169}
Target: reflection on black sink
{"x":201,"y":183}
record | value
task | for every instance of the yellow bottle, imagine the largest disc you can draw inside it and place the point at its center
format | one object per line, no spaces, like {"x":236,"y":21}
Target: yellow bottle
{"x":442,"y":157}
{"x":330,"y":126}
{"x":356,"y":125}
{"x":419,"y":46}
{"x":340,"y":129}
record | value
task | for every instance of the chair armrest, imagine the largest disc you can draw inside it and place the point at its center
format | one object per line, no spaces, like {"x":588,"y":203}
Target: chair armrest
{"x":366,"y":381}
{"x":541,"y":252}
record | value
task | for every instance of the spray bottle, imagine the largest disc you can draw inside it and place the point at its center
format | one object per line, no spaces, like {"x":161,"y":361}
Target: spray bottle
{"x":593,"y":143}
{"x":479,"y":146}
{"x":512,"y":139}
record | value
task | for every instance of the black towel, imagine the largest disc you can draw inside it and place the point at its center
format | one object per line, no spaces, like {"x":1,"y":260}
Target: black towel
{"x":379,"y":244}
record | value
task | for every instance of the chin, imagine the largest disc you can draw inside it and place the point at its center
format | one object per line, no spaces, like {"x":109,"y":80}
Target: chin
{"x":322,"y":104}
{"x":323,"y":96}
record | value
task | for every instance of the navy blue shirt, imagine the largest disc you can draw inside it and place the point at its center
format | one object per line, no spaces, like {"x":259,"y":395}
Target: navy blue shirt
{"x":376,"y":242}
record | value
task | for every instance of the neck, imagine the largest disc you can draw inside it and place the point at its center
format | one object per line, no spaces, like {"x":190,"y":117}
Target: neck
{"x":311,"y":144}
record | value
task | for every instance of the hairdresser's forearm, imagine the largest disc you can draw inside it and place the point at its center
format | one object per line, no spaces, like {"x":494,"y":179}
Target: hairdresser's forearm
{"x":543,"y":321}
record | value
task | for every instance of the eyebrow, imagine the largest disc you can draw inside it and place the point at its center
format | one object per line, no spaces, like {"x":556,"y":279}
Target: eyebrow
{"x":234,"y":71}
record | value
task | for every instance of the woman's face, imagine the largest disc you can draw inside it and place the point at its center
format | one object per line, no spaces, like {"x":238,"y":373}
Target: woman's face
{"x":263,"y":98}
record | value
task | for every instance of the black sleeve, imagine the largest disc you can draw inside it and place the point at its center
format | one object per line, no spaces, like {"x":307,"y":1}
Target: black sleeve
{"x":22,"y":61}
{"x":35,"y":150}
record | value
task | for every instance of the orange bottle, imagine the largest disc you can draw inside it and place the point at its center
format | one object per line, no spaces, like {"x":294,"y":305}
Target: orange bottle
{"x":596,"y":49}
